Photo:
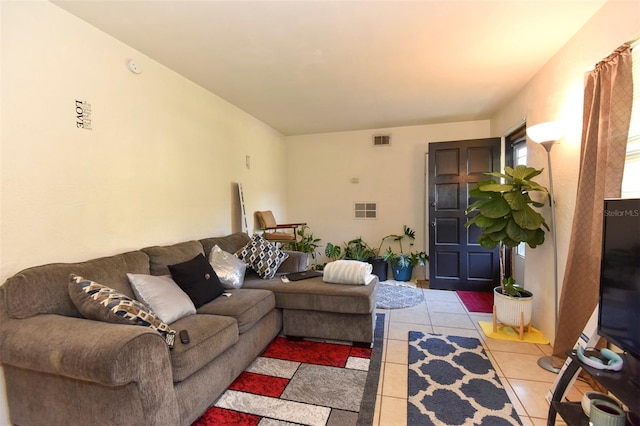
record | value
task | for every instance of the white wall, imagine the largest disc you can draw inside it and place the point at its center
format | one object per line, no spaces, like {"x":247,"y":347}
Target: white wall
{"x":555,"y":93}
{"x":321,"y":167}
{"x":158,"y":166}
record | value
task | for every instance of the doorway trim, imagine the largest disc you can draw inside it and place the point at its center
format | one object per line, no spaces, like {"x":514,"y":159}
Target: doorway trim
{"x":514,"y":135}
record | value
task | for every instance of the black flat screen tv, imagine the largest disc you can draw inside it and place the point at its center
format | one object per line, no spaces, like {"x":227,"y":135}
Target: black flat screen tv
{"x":619,"y":309}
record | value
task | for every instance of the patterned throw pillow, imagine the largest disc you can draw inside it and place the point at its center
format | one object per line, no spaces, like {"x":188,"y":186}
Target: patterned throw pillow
{"x":101,"y":303}
{"x":262,"y":256}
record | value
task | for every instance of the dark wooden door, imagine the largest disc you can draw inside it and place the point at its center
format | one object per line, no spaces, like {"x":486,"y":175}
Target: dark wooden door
{"x":456,"y":260}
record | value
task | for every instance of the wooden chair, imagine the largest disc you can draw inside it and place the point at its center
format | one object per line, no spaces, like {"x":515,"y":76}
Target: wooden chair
{"x":273,"y":231}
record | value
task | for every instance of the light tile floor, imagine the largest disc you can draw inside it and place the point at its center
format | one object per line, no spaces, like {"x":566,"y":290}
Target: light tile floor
{"x":442,"y":312}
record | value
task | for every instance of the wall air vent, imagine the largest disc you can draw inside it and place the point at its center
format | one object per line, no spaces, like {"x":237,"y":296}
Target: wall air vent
{"x":365,"y":210}
{"x":382,"y":140}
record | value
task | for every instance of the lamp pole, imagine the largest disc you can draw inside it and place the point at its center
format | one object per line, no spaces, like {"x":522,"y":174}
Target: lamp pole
{"x":546,"y":362}
{"x":546,"y":134}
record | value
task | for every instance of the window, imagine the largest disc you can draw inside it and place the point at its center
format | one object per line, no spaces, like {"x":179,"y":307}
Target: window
{"x":520,"y":154}
{"x":516,"y":154}
{"x":631,"y":177}
{"x":520,"y":158}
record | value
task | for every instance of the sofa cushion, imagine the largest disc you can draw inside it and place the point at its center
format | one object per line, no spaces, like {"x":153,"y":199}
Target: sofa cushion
{"x":197,"y":278}
{"x":209,"y":336}
{"x":162,"y":295}
{"x":262,"y":256}
{"x":44,"y":289}
{"x":101,"y":303}
{"x":296,"y":262}
{"x":162,"y":256}
{"x":315,"y":295}
{"x":246,"y":306}
{"x":229,"y":269}
{"x":230,"y":243}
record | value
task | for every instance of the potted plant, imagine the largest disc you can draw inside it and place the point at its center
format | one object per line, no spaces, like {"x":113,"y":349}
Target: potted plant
{"x":357,"y":249}
{"x":402,"y":263}
{"x":505,"y":216}
{"x":307,"y":243}
{"x":378,"y":262}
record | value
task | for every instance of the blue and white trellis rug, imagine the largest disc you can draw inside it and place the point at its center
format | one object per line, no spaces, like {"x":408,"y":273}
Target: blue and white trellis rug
{"x":452,"y":382}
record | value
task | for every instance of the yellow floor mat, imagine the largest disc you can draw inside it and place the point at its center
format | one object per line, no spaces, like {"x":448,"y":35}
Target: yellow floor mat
{"x":508,"y":333}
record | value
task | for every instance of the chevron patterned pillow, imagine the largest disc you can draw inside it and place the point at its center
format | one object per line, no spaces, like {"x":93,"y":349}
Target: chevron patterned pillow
{"x":101,"y":303}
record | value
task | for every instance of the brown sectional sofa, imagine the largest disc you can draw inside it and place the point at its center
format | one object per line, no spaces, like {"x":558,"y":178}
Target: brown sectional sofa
{"x":63,"y":369}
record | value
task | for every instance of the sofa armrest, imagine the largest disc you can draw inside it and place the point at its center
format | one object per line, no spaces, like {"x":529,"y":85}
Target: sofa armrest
{"x":105,"y":353}
{"x":296,"y":262}
{"x":93,"y":351}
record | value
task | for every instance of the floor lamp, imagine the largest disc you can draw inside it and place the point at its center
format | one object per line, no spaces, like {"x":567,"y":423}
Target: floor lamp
{"x":546,"y":134}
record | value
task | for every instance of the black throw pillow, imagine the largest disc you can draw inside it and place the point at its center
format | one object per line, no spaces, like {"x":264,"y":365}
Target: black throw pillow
{"x":197,"y":278}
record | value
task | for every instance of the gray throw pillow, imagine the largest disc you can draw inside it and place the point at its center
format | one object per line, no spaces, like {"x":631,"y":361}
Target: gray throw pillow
{"x":162,"y":295}
{"x":101,"y":303}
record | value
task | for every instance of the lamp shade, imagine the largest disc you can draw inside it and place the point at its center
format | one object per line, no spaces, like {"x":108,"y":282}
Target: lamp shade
{"x":545,"y":132}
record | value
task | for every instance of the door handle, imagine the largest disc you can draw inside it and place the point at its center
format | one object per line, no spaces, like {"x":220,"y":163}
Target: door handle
{"x":433,"y":224}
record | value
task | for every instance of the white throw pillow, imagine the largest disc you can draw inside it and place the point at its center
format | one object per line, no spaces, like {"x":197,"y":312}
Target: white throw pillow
{"x":229,"y":269}
{"x":163,"y":295}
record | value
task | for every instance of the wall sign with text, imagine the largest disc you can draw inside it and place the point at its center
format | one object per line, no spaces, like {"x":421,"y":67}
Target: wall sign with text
{"x":83,"y":115}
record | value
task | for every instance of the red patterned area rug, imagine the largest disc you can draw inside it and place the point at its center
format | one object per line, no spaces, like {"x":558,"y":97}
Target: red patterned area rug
{"x":303,"y":382}
{"x":476,"y":301}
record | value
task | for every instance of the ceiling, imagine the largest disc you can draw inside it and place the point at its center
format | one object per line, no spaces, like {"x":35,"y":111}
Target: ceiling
{"x":323,"y":66}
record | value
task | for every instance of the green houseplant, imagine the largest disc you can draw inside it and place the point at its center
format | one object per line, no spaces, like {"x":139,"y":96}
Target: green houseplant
{"x":378,"y":262}
{"x":355,"y":249}
{"x":506,"y":217}
{"x":306,"y":243}
{"x":505,"y":213}
{"x":402,"y":263}
{"x":333,"y":251}
{"x":358,"y":249}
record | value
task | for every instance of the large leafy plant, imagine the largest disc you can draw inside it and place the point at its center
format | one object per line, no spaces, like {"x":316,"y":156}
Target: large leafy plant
{"x":402,"y":259}
{"x":505,"y":211}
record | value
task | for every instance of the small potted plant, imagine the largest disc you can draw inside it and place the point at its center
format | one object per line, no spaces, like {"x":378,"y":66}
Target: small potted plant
{"x":307,"y":243}
{"x":357,"y":249}
{"x":378,"y":262}
{"x":402,"y":263}
{"x":506,"y":217}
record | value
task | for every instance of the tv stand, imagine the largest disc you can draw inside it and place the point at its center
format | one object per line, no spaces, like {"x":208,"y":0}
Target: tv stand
{"x":624,"y":385}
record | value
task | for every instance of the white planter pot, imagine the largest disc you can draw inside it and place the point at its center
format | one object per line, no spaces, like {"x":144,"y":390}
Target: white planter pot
{"x":512,"y":311}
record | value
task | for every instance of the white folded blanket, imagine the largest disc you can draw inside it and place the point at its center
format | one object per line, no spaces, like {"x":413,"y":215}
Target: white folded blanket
{"x":348,"y":272}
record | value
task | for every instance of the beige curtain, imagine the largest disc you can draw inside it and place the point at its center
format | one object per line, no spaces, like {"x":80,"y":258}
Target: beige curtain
{"x":608,"y":97}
